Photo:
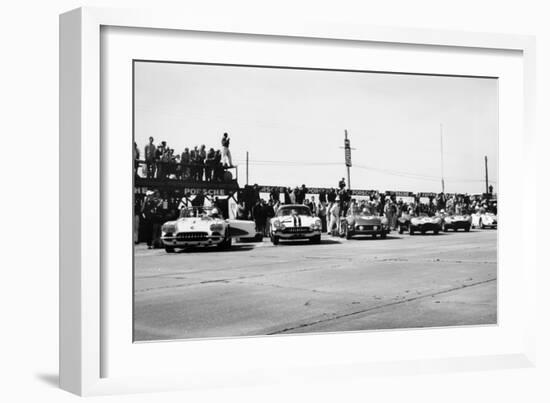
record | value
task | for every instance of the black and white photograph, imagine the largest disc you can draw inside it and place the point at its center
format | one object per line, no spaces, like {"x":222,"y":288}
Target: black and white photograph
{"x":271,"y":200}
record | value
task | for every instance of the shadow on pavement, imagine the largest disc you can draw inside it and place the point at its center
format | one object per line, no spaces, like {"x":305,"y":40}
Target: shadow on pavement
{"x":324,"y":241}
{"x":199,"y":249}
{"x":370,"y":238}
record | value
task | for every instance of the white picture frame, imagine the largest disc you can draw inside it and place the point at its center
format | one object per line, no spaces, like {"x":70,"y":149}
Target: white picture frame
{"x":83,"y":307}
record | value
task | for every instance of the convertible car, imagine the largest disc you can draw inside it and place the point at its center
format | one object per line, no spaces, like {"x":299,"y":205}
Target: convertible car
{"x":484,"y":220}
{"x":423,"y":223}
{"x":203,"y":226}
{"x":295,"y":221}
{"x":456,"y":222}
{"x":361,"y":222}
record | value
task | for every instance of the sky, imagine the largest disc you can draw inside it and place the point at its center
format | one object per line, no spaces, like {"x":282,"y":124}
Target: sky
{"x":292,"y":123}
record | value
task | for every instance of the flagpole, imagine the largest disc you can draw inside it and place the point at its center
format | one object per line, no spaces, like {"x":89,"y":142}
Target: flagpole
{"x":441,"y":143}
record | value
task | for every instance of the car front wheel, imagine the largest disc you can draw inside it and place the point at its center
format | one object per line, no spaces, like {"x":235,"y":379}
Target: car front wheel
{"x":275,"y":240}
{"x":347,"y":233}
{"x":226,"y":243}
{"x":316,"y":239}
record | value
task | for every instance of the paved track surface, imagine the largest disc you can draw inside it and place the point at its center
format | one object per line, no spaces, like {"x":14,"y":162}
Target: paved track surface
{"x":258,"y":289}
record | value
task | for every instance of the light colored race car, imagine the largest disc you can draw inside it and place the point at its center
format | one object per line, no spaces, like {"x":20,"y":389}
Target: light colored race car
{"x":484,"y":220}
{"x":456,"y":222}
{"x":361,"y":222}
{"x":423,"y":223}
{"x":295,"y":221}
{"x":203,"y":226}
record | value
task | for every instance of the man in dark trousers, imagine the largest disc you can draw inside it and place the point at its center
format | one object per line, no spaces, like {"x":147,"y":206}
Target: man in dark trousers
{"x":150,"y":155}
{"x":274,"y":194}
{"x":150,"y":212}
{"x":210,"y":164}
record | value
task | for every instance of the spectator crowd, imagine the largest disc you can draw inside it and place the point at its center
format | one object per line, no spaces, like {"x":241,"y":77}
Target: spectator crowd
{"x":197,"y":164}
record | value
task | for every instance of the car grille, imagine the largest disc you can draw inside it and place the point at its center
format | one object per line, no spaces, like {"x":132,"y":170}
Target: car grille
{"x":192,"y":236}
{"x":364,"y":227}
{"x":296,"y":230}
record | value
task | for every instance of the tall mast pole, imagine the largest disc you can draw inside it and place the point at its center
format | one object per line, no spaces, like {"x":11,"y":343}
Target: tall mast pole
{"x":348,"y":159}
{"x":486,"y":177}
{"x":247,"y":167}
{"x":441,"y":142}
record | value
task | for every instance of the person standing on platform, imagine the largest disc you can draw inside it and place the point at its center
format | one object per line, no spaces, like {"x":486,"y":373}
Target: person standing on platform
{"x":226,"y":154}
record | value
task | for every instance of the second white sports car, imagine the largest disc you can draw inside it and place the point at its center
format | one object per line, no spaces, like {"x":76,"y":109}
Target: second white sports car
{"x":295,"y":221}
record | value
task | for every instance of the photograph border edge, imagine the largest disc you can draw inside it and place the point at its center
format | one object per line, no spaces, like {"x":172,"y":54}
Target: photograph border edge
{"x":80,"y":308}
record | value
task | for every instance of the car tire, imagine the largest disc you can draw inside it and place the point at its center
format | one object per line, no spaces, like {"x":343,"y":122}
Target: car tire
{"x":436,"y":232}
{"x":275,"y":240}
{"x":400,"y":229}
{"x":316,"y":239}
{"x":383,"y":235}
{"x":467,"y":229}
{"x":411,"y":230}
{"x":482,"y":226}
{"x":226,"y":243}
{"x":343,"y":230}
{"x":169,"y":249}
{"x":445,"y":229}
{"x":347,"y":233}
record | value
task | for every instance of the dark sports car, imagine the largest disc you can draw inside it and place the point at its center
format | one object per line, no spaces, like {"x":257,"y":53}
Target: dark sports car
{"x":421,"y":223}
{"x":456,"y":222}
{"x":359,"y":222}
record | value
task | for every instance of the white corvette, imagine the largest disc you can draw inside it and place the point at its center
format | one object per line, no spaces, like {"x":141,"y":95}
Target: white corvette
{"x":203,"y":226}
{"x":295,"y":221}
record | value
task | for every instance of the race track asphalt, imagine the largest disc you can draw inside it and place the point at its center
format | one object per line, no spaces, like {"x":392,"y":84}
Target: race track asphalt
{"x":403,"y":281}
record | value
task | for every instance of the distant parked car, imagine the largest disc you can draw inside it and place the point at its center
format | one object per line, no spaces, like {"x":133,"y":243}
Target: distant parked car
{"x":456,"y":222}
{"x":484,"y":220}
{"x":423,"y":223}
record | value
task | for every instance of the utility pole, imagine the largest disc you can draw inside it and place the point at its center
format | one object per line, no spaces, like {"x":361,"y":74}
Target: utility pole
{"x":347,"y":151}
{"x":441,"y":142}
{"x":486,"y":177}
{"x":247,"y":167}
{"x":347,"y":154}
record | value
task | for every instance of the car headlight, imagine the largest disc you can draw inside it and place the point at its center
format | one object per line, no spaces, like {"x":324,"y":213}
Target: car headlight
{"x":277,"y":224}
{"x":316,"y":225}
{"x":168,"y":228}
{"x":216,"y":227}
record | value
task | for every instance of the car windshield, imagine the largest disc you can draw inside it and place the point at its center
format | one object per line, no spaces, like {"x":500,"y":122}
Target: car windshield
{"x":200,"y":212}
{"x":294,"y":210}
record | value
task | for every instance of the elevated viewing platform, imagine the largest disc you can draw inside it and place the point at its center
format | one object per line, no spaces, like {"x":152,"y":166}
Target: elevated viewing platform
{"x":186,"y":179}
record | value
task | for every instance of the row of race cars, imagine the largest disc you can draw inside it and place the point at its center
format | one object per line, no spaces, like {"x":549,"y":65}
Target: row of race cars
{"x":205,"y":226}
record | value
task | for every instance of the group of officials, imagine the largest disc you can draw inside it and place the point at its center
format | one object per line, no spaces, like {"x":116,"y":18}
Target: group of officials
{"x":197,"y":164}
